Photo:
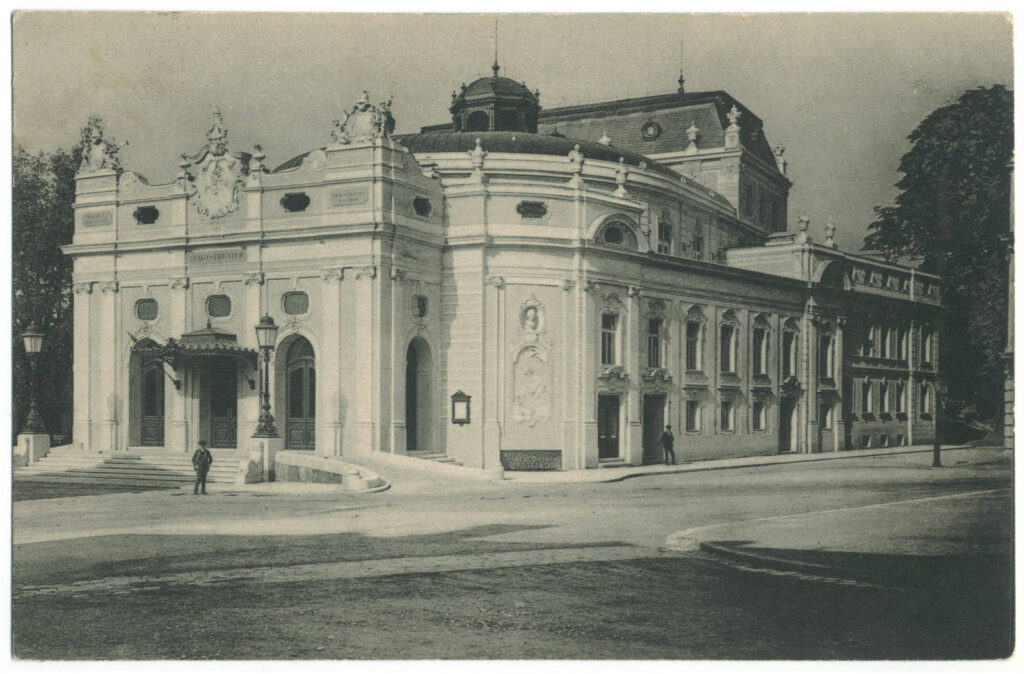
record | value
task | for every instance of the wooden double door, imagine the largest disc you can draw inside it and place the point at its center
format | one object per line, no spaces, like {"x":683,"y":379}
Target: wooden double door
{"x":300,"y":396}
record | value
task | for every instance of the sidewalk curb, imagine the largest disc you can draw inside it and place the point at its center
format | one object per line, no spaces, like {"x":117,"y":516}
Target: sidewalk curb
{"x":809,"y":568}
{"x":753,"y":462}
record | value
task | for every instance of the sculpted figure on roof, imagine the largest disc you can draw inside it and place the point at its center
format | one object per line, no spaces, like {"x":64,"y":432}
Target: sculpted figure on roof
{"x":97,"y":152}
{"x":364,"y":122}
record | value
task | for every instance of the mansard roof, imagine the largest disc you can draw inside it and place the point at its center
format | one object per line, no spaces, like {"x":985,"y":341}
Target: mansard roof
{"x":622,"y":120}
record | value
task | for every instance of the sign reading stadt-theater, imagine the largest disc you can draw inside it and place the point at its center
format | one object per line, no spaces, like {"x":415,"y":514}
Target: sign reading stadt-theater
{"x":215,"y":256}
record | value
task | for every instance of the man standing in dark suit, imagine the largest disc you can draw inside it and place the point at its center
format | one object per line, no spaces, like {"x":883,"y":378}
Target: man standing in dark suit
{"x":201,"y":461}
{"x":667,"y":439}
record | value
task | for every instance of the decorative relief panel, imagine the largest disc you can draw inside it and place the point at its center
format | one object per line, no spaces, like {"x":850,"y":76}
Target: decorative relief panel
{"x":531,"y":388}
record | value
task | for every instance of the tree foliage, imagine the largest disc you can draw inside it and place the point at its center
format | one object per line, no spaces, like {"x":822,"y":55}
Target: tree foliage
{"x":43,"y":191}
{"x":953,"y":217}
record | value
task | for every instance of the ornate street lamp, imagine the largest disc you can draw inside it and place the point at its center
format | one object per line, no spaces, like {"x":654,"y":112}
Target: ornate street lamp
{"x":33,"y":340}
{"x":266,"y":337}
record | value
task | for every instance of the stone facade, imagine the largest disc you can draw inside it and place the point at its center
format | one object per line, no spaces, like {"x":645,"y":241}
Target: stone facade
{"x":582,"y":294}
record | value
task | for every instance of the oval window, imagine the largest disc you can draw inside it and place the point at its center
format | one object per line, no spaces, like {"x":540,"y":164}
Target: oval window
{"x":613,"y":235}
{"x":422,"y":206}
{"x":296,"y":303}
{"x":146,"y":215}
{"x":146,"y":310}
{"x":218,"y":306}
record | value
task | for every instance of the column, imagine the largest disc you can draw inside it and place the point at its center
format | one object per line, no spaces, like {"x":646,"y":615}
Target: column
{"x":587,"y":359}
{"x":839,"y":376}
{"x":82,"y":423}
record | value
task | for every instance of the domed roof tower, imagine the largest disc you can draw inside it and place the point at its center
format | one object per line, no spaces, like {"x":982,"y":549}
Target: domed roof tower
{"x":495,"y":104}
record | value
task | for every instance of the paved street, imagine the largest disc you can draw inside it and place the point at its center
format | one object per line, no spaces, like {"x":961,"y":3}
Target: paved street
{"x":850,"y":549}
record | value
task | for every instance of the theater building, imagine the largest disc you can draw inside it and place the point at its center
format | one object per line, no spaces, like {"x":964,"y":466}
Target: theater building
{"x":525,"y":288}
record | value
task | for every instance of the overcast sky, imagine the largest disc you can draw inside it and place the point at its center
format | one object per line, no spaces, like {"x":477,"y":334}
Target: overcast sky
{"x":841,"y":92}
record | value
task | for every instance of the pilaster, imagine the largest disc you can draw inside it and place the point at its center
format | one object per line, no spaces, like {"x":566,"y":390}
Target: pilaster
{"x":493,"y":339}
{"x":82,"y":423}
{"x":634,"y":449}
{"x":328,"y":381}
{"x":106,"y":374}
{"x":366,"y":333}
{"x":175,"y":417}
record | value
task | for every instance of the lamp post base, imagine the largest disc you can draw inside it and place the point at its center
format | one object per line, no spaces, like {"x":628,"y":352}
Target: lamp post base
{"x":30,"y":448}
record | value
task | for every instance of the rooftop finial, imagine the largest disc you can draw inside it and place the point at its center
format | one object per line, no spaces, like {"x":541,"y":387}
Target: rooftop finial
{"x":681,"y":80}
{"x":495,"y":67}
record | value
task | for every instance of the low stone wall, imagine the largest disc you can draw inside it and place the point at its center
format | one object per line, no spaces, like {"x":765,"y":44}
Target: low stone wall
{"x":295,"y":466}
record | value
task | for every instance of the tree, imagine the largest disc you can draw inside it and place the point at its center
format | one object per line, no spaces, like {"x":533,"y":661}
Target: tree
{"x":43,"y":191}
{"x":952,"y":217}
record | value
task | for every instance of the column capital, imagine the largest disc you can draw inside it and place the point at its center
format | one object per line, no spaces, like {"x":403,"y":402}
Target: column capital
{"x":496,"y":281}
{"x":635,"y":291}
{"x":83,"y":288}
{"x":109,"y":287}
{"x":568,"y":284}
{"x":332,"y":274}
{"x":367,"y":272}
{"x":253,"y":278}
{"x":178,"y":283}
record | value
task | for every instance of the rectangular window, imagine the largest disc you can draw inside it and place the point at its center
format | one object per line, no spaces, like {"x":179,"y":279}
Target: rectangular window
{"x":654,"y":342}
{"x":609,"y":339}
{"x":901,"y":344}
{"x":760,"y":351}
{"x":698,"y":247}
{"x":693,"y":360}
{"x":865,"y":398}
{"x":883,"y":440}
{"x":865,"y":441}
{"x":825,"y":357}
{"x":883,"y":397}
{"x":926,"y":399}
{"x":825,"y":416}
{"x":901,"y":397}
{"x":693,"y":416}
{"x":758,"y":416}
{"x":727,"y":412}
{"x":884,"y":343}
{"x":728,"y":349}
{"x":664,"y":237}
{"x":867,"y":346}
{"x":899,"y":439}
{"x":926,"y":346}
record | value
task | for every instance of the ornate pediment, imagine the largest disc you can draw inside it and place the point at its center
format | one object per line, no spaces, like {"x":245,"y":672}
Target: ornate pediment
{"x":364,"y":122}
{"x":657,"y":375}
{"x":613,"y":373}
{"x":216,"y":174}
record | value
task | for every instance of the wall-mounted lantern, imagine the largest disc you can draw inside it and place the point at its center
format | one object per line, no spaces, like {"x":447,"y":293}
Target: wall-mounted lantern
{"x":460,"y":408}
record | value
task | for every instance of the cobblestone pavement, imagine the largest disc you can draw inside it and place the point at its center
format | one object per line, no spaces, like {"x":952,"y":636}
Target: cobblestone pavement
{"x":340,"y":570}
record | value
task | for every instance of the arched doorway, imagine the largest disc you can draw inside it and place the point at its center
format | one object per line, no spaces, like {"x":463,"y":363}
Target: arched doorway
{"x":300,"y":396}
{"x":418,"y":397}
{"x":145,"y":397}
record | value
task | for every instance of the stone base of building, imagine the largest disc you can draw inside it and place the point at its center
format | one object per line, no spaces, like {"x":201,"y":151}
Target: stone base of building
{"x":30,"y":448}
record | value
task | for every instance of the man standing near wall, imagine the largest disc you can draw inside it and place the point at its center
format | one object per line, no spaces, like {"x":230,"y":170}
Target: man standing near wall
{"x":667,"y":440}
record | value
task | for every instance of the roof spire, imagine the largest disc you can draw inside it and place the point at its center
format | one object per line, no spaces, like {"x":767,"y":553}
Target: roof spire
{"x":681,"y":80}
{"x":495,"y":67}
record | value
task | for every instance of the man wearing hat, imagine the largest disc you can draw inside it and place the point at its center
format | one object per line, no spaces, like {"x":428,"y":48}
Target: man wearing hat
{"x":201,"y":461}
{"x":667,"y":440}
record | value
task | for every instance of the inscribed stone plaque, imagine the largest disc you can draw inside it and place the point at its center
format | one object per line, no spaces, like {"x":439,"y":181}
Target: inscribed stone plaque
{"x":97,"y":218}
{"x":215,"y":256}
{"x":349,"y":196}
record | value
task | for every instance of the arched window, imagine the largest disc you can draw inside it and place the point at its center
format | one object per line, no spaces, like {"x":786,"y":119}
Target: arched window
{"x":759,"y":345}
{"x":790,"y":333}
{"x":826,"y":356}
{"x":728,"y":342}
{"x":617,"y":233}
{"x":694,"y":339}
{"x":478,"y":121}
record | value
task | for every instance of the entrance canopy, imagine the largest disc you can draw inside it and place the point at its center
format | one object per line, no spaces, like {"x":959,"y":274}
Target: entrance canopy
{"x":206,"y":343}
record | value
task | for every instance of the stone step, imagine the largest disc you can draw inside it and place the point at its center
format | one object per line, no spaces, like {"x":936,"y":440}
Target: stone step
{"x":119,"y":482}
{"x":154,"y":475}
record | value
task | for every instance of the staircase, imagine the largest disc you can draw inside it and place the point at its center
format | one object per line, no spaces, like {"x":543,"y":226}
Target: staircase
{"x":436,"y":458}
{"x":130,"y":468}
